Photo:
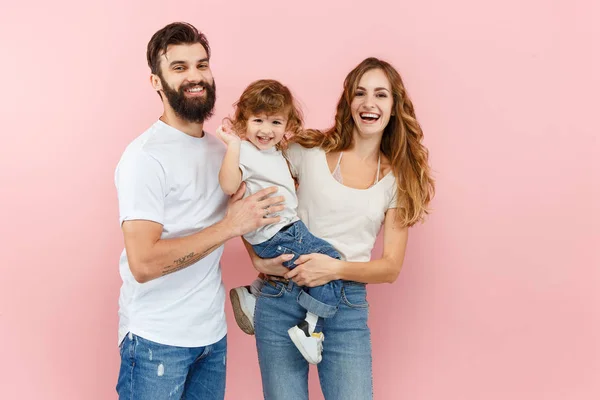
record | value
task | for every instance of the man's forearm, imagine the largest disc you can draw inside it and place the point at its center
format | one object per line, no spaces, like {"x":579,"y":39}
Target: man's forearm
{"x":170,"y":255}
{"x":151,"y":257}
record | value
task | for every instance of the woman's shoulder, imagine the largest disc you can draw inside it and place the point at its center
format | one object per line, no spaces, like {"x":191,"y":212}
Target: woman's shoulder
{"x":295,"y":150}
{"x":297,"y":147}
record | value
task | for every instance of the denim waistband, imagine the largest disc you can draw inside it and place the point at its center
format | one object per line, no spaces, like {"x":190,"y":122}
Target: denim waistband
{"x":281,"y":279}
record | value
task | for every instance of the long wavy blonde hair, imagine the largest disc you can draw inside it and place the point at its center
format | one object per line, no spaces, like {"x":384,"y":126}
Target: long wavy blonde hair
{"x":401,"y":142}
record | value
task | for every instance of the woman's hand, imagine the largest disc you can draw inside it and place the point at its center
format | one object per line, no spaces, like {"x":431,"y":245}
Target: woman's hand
{"x":314,"y":270}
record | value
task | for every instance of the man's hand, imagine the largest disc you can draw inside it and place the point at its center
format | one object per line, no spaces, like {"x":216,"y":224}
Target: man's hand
{"x":248,"y":214}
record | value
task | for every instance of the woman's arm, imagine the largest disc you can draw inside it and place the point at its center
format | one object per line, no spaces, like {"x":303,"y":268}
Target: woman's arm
{"x":319,"y":269}
{"x":268,"y":266}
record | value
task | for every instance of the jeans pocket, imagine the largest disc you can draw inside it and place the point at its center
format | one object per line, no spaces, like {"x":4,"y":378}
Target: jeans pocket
{"x":355,"y":296}
{"x":125,"y":343}
{"x":272,"y":289}
{"x":276,"y":250}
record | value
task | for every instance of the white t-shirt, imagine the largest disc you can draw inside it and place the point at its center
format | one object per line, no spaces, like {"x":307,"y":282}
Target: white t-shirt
{"x":348,"y":218}
{"x":169,"y":177}
{"x":262,"y":169}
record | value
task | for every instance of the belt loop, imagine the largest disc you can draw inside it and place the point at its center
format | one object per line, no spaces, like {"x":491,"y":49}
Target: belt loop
{"x":287,"y":283}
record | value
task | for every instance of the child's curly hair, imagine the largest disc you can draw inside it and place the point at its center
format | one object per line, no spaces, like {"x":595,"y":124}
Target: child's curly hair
{"x":270,"y":97}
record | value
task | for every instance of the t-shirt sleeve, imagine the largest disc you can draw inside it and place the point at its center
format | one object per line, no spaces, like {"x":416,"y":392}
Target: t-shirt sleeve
{"x":245,"y":161}
{"x":393,"y":196}
{"x":141,"y":188}
{"x":294,"y":155}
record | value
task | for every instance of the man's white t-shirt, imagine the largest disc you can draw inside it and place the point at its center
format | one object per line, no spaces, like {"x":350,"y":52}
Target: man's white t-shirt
{"x":262,"y":169}
{"x":172,"y":178}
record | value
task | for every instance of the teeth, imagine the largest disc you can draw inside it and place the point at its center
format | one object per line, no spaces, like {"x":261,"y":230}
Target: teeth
{"x":369,"y":115}
{"x":195,"y":89}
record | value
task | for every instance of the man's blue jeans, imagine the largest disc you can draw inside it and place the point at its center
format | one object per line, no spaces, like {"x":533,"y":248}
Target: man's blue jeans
{"x":156,"y":371}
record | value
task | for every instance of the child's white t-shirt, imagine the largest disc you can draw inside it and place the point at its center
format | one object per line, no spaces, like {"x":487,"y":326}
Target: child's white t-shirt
{"x":262,"y":169}
{"x":171,"y":178}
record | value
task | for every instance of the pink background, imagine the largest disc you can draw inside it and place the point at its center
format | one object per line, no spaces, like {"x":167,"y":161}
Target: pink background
{"x":499,"y":297}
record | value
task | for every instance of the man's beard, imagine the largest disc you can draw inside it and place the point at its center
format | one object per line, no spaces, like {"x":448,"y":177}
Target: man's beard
{"x":195,"y":109}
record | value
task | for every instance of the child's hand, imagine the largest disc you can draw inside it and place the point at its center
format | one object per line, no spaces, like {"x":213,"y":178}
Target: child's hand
{"x":227,"y":136}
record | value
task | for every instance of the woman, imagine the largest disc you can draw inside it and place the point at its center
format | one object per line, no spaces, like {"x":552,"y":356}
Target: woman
{"x":370,"y":170}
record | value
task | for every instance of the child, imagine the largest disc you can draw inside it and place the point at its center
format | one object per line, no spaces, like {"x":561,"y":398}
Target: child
{"x":264,"y":114}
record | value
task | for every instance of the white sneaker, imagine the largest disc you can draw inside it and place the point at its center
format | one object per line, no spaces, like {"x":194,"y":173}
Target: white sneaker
{"x":243,"y":303}
{"x":310,"y":345}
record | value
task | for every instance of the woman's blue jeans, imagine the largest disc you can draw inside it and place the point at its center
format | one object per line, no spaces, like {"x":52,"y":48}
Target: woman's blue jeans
{"x":346,"y":370}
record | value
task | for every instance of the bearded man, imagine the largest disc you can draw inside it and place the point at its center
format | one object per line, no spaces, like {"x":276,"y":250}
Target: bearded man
{"x":175,"y":219}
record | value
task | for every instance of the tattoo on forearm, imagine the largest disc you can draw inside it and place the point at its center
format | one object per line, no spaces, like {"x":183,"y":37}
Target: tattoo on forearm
{"x":186,"y":261}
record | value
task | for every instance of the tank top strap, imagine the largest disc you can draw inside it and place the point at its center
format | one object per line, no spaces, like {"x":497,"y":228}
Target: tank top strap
{"x":337,"y":173}
{"x":378,"y":168}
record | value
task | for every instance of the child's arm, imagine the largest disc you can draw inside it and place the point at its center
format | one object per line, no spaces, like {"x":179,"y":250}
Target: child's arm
{"x":230,"y":175}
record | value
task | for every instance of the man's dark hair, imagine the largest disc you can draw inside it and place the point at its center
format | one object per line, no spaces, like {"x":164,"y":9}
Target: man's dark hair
{"x":173,"y":34}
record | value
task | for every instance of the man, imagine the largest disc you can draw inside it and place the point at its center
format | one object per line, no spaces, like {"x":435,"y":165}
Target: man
{"x":175,"y":219}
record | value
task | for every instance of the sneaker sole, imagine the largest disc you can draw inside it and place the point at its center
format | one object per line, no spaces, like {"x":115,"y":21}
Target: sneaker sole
{"x":240,"y":318}
{"x":300,"y":348}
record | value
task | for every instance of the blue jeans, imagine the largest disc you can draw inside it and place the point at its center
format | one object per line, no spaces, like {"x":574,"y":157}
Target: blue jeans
{"x":296,"y":239}
{"x":156,"y":371}
{"x":345,"y":372}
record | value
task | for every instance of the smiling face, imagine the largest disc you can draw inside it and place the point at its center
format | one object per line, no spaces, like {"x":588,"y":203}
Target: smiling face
{"x":186,"y":81}
{"x":372,"y":103}
{"x":265,"y":131}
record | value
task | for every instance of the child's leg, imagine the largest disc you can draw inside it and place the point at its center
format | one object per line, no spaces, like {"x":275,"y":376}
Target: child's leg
{"x":320,"y":302}
{"x":243,"y":299}
{"x":323,"y":300}
{"x":307,"y":335}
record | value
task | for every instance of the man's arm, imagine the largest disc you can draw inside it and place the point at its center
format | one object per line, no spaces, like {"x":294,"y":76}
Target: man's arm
{"x":151,"y":257}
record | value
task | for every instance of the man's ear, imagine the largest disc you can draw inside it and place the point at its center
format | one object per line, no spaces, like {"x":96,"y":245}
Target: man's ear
{"x":156,"y":82}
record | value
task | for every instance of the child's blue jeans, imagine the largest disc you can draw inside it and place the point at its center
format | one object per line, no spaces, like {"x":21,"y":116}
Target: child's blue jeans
{"x":297,"y":240}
